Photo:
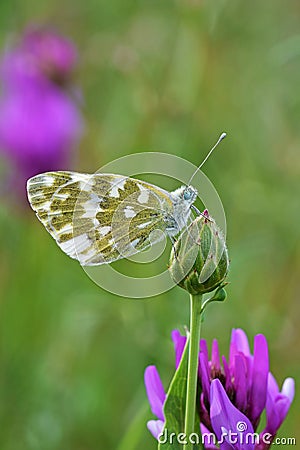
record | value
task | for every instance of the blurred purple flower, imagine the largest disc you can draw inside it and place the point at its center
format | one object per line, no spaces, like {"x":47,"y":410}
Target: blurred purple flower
{"x":233,"y":396}
{"x":40,"y":122}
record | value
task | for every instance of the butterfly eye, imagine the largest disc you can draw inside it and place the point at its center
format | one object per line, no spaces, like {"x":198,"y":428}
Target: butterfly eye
{"x":187,"y":194}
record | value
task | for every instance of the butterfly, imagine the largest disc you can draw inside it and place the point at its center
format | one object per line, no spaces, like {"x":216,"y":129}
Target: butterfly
{"x":100,"y":218}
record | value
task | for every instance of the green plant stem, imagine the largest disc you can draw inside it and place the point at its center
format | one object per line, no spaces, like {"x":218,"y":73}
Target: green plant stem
{"x":190,"y":408}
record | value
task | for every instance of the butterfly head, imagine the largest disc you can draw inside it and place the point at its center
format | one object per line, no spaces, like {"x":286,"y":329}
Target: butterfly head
{"x":185,"y":196}
{"x":189,"y":194}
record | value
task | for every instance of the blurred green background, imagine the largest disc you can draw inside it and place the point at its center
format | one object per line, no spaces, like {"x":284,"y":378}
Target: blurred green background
{"x":164,"y":76}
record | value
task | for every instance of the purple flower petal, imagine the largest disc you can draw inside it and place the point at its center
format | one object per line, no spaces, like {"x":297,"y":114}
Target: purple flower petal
{"x":240,"y":382}
{"x":288,"y":388}
{"x":36,"y":101}
{"x":50,"y":50}
{"x":179,"y":342}
{"x":203,"y":355}
{"x":226,"y":446}
{"x":265,"y":441}
{"x":203,"y":348}
{"x":239,"y":343}
{"x":208,"y":438}
{"x":215,"y":356}
{"x":278,"y":403}
{"x":155,"y":391}
{"x":226,"y":418}
{"x":273,"y":388}
{"x":204,"y":371}
{"x":228,"y":383}
{"x":204,"y":414}
{"x":204,"y":377}
{"x":258,"y":393}
{"x":155,"y":427}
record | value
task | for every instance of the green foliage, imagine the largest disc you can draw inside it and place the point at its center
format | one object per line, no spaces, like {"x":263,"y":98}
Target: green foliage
{"x":163,"y":76}
{"x":174,"y":408}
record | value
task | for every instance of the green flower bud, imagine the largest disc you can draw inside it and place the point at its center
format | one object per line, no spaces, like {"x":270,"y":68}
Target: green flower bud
{"x":199,"y":260}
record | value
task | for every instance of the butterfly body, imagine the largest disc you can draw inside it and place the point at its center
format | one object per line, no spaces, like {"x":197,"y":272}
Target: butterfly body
{"x":101,"y":218}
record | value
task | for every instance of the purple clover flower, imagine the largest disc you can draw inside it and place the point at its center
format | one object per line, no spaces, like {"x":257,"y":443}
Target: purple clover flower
{"x":233,"y":396}
{"x":40,"y":122}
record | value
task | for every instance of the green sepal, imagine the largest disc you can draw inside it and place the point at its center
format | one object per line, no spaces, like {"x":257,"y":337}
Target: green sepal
{"x":220,"y":295}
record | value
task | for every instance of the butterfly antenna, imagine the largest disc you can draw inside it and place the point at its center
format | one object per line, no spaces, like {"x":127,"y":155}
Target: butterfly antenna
{"x":223,"y":135}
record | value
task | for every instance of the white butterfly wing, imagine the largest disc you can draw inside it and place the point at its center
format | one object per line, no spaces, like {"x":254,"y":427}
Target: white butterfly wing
{"x":99,"y":218}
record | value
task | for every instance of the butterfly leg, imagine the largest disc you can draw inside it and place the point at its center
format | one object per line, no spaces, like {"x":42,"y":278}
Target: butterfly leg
{"x":199,"y":213}
{"x":173,"y":242}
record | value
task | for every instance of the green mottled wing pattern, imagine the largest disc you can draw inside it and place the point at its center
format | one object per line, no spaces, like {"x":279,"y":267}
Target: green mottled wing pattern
{"x":99,"y":218}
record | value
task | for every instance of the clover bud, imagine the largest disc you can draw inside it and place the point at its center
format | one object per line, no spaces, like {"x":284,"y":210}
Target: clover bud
{"x":199,"y":259}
